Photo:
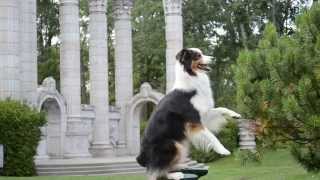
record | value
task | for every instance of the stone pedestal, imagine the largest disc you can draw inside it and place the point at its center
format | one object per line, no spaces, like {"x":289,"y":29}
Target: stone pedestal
{"x":42,"y":150}
{"x":99,"y":78}
{"x":9,"y":50}
{"x":123,"y":60}
{"x":76,"y":143}
{"x":174,"y":37}
{"x":247,"y":137}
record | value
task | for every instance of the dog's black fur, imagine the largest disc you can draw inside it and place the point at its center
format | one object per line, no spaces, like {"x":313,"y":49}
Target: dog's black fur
{"x":185,"y":57}
{"x":167,"y":126}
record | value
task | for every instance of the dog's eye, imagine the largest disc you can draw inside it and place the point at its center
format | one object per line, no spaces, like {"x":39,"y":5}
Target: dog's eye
{"x":197,"y":56}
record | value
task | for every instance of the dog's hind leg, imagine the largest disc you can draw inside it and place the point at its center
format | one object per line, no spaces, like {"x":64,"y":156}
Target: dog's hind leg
{"x":203,"y":139}
{"x":175,"y":175}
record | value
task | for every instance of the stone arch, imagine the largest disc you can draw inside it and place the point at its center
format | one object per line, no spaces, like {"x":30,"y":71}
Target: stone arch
{"x":132,"y":110}
{"x":53,"y":134}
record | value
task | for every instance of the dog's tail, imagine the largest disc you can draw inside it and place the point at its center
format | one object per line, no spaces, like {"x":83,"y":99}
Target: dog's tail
{"x":142,"y":159}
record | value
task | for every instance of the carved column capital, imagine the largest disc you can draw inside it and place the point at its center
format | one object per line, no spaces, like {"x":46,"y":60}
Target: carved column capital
{"x":69,"y":2}
{"x":122,"y":8}
{"x":97,"y":6}
{"x":172,"y":7}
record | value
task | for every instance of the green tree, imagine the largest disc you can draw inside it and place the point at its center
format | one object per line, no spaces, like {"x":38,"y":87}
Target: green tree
{"x":148,"y":44}
{"x":47,"y":30}
{"x":277,"y":85}
{"x":221,"y":28}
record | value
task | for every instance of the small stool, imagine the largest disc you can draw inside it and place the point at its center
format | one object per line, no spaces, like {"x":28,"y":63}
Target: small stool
{"x":188,"y":177}
{"x":191,"y":173}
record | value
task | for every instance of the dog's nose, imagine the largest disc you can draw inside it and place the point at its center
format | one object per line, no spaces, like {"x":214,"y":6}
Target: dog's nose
{"x":207,"y":59}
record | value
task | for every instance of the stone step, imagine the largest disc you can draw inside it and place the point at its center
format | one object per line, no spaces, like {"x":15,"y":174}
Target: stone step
{"x":78,"y":172}
{"x":90,"y":166}
{"x":114,"y":174}
{"x":95,"y":167}
{"x":59,"y":164}
{"x":87,"y":167}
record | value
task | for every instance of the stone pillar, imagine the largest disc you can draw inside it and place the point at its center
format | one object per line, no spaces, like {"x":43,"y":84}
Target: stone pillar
{"x":98,"y":57}
{"x":76,"y":144}
{"x":123,"y":59}
{"x":29,"y":72}
{"x":174,"y":37}
{"x":9,"y":50}
{"x":246,"y":136}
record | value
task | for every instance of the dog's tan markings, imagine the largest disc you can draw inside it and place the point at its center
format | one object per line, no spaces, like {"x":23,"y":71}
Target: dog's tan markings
{"x":192,"y":128}
{"x":176,"y":159}
{"x":181,"y":155}
{"x":195,"y":64}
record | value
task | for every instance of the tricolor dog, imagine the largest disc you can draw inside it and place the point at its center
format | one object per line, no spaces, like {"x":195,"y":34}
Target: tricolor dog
{"x":183,"y":116}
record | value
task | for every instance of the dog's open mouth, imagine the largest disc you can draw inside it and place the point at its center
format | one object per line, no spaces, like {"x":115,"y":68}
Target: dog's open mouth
{"x":204,"y":67}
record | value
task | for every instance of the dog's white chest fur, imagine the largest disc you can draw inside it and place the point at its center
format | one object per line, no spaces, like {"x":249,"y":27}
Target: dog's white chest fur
{"x":203,"y":100}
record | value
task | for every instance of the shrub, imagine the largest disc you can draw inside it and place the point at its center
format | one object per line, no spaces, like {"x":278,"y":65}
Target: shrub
{"x":20,"y":134}
{"x":308,"y":156}
{"x":228,"y":137}
{"x":278,"y":85}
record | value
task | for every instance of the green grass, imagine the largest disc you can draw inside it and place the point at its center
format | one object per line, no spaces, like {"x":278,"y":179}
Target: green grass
{"x":276,"y":165}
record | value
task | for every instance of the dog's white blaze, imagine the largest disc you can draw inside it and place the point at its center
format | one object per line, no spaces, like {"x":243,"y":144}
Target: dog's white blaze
{"x":203,"y":100}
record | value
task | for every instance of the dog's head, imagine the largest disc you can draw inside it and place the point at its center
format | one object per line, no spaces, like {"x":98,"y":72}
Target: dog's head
{"x":193,"y":61}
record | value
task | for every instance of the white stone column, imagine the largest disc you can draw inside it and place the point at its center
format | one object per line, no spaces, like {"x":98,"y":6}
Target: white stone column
{"x":76,"y":143}
{"x":123,"y":60}
{"x":98,"y":58}
{"x":9,"y":50}
{"x":246,"y":135}
{"x":28,"y":58}
{"x":174,"y":37}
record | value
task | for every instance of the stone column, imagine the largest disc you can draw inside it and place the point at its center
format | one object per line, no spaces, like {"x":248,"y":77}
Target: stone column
{"x":174,"y":37}
{"x":246,"y":135}
{"x":76,"y":144}
{"x":29,"y":72}
{"x":9,"y":50}
{"x":98,"y":57}
{"x":123,"y":59}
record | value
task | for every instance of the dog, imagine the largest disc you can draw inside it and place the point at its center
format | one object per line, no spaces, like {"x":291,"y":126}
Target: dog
{"x":185,"y":115}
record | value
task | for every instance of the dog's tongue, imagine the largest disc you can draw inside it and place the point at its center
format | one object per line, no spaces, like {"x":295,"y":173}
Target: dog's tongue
{"x":204,"y":67}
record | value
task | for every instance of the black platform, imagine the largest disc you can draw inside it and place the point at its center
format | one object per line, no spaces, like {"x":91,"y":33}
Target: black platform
{"x":193,"y":173}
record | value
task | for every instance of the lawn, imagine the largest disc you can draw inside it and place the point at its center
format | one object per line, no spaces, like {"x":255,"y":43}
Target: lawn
{"x":276,"y":165}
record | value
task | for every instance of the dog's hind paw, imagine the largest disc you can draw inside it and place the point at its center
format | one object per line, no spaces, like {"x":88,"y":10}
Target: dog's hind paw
{"x":222,"y":150}
{"x":175,"y":175}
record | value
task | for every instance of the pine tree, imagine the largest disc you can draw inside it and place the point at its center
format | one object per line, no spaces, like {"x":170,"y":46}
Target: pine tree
{"x":278,"y":85}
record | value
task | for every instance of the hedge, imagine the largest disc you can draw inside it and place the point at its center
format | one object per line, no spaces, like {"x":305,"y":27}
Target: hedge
{"x":20,"y":134}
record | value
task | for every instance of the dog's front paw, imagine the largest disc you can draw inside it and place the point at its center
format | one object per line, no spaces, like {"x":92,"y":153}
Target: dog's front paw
{"x":235,"y":115}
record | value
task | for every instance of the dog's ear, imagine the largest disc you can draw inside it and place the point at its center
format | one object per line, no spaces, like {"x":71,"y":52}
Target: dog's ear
{"x":180,"y":54}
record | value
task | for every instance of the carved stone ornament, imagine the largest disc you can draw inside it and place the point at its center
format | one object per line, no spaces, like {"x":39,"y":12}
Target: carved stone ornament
{"x":122,"y":7}
{"x":49,"y":83}
{"x":97,"y":6}
{"x":172,"y":7}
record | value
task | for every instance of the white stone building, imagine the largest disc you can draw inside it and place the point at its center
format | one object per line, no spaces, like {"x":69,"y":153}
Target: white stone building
{"x":74,"y":130}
